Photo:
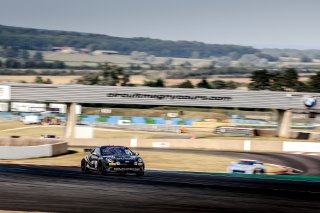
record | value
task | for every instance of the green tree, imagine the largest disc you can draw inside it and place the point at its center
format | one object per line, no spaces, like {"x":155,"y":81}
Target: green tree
{"x":291,"y":79}
{"x":204,"y":84}
{"x":278,"y":82}
{"x":185,"y":84}
{"x":112,"y":75}
{"x":48,"y":81}
{"x":314,"y":83}
{"x":24,"y":54}
{"x":232,"y":85}
{"x":286,"y":81}
{"x":11,"y":52}
{"x":157,"y":83}
{"x":260,"y":80}
{"x":218,"y":84}
{"x":58,"y":65}
{"x":89,"y":79}
{"x":302,"y":87}
{"x":38,"y":80}
{"x":12,"y":63}
{"x":38,"y":56}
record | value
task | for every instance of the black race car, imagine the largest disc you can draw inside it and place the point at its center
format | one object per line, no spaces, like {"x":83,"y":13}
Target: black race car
{"x":112,"y":159}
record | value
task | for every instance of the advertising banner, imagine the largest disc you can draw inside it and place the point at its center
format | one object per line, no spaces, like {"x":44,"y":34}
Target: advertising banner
{"x":4,"y":92}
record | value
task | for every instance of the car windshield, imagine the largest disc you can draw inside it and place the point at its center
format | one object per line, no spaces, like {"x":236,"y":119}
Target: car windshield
{"x":116,"y":151}
{"x":247,"y":162}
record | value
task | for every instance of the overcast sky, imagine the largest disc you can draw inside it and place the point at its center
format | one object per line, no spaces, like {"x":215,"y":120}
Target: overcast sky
{"x":258,"y":23}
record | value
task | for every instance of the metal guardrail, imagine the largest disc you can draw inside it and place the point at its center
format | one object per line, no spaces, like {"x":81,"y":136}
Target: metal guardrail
{"x":136,"y":127}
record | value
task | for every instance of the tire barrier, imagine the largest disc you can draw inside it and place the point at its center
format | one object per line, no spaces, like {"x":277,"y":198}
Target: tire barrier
{"x":305,"y":135}
{"x":235,"y":131}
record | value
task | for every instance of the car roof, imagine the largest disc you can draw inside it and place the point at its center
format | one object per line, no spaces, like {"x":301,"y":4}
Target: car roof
{"x":113,"y":146}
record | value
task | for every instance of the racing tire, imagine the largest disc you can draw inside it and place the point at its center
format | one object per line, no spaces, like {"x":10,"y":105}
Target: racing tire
{"x":101,"y":169}
{"x":258,"y":172}
{"x":84,"y":168}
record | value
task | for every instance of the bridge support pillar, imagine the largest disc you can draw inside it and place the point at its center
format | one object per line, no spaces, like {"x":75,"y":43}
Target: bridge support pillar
{"x":284,"y":120}
{"x":71,"y":120}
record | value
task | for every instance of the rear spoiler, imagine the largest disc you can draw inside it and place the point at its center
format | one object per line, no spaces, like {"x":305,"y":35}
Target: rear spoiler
{"x":87,"y":149}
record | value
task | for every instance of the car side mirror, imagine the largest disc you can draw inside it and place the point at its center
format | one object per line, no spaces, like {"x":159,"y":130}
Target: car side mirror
{"x":87,"y":150}
{"x":137,"y":154}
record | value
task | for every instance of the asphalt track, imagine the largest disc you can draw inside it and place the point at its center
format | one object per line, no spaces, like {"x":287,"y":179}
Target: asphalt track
{"x":65,"y":189}
{"x":309,"y":164}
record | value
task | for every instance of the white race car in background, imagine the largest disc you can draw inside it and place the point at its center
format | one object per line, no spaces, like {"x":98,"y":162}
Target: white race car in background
{"x":245,"y":166}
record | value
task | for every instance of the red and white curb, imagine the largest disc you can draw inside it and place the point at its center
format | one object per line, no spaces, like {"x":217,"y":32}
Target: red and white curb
{"x":305,"y":153}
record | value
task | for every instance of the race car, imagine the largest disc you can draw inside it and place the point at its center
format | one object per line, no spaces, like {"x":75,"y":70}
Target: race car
{"x":246,"y":166}
{"x":112,"y":159}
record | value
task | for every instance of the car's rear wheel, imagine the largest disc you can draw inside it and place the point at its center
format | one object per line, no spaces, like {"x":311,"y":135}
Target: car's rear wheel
{"x":84,"y":168}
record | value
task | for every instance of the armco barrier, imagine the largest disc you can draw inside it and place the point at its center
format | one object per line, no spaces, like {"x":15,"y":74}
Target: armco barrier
{"x":211,"y":144}
{"x":35,"y":151}
{"x":137,"y":127}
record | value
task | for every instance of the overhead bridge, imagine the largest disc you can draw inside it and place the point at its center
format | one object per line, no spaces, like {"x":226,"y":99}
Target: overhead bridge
{"x":283,"y":102}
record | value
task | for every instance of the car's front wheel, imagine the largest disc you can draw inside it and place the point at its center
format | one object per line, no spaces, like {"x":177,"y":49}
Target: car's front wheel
{"x":101,"y":169}
{"x":84,"y":168}
{"x":258,"y":171}
{"x":140,"y":173}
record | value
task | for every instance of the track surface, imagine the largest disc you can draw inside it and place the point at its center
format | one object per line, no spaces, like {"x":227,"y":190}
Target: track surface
{"x":310,"y":165}
{"x":65,"y":189}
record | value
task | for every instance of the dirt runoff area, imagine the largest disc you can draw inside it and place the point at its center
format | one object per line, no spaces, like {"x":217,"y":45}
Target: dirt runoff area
{"x":163,"y":160}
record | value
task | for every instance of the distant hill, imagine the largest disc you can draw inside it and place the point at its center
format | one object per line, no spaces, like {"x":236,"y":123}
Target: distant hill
{"x":293,"y":53}
{"x":36,"y":39}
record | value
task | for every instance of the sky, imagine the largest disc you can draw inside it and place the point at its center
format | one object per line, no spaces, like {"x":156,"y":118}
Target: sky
{"x":257,"y":23}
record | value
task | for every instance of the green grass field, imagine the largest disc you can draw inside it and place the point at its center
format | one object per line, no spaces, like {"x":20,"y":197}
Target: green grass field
{"x":78,"y":59}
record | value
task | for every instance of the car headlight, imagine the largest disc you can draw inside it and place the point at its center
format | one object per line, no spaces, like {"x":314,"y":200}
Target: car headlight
{"x":140,"y":160}
{"x":110,"y":160}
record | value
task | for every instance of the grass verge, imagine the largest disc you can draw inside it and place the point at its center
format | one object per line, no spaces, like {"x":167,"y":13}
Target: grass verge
{"x":154,"y":160}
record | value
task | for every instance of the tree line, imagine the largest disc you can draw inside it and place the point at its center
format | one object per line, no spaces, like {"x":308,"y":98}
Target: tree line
{"x":36,"y":39}
{"x":22,"y":59}
{"x":18,"y":64}
{"x":113,"y":75}
{"x":287,"y":80}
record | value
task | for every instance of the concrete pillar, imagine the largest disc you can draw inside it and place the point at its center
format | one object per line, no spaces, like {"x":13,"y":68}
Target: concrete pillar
{"x":71,"y":121}
{"x":284,"y":120}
